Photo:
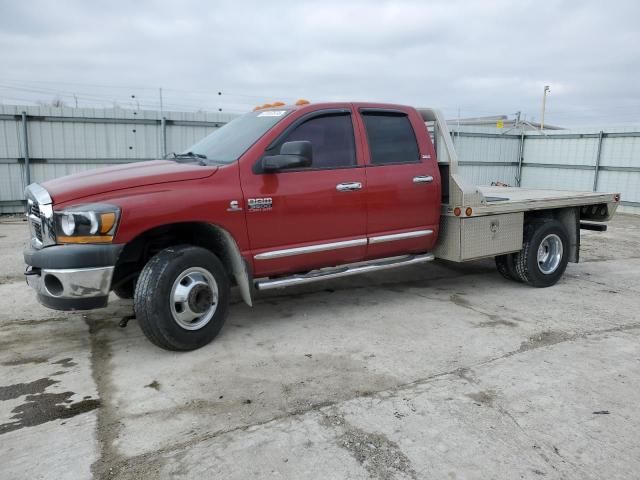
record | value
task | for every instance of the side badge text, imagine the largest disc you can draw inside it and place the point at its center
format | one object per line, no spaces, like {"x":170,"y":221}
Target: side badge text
{"x":260,"y":204}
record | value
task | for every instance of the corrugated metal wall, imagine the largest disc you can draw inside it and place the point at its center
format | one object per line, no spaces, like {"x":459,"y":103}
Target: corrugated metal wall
{"x":62,"y":141}
{"x":605,"y":160}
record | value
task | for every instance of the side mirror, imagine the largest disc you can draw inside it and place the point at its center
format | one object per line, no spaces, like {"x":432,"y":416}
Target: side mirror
{"x":296,"y":154}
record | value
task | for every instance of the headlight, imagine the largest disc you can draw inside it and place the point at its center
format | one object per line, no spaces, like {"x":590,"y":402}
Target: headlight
{"x":94,"y":223}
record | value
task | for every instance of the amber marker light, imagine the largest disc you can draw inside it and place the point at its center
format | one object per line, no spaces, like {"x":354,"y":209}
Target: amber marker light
{"x":468,"y":211}
{"x":86,"y":239}
{"x":107,"y":221}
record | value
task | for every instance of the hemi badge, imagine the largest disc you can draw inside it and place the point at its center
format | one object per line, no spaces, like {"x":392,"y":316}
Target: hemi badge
{"x":426,"y":157}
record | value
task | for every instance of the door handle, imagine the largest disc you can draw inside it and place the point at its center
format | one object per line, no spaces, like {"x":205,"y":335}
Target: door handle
{"x":348,"y":186}
{"x":423,"y":179}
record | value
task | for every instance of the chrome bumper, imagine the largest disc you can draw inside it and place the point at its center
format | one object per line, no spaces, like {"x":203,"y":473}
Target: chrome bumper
{"x":72,"y":282}
{"x":73,"y":288}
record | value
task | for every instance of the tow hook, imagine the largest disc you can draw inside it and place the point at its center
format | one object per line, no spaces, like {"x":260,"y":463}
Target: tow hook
{"x":125,"y":320}
{"x":30,"y":271}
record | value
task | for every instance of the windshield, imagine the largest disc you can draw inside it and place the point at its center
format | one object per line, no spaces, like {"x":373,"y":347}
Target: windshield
{"x":230,"y":141}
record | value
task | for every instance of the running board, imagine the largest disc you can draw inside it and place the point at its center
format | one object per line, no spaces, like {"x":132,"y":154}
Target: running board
{"x":337,"y":272}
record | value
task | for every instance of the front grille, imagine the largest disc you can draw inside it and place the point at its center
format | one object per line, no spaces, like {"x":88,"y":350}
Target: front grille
{"x":35,"y":221}
{"x":34,"y":210}
{"x":40,"y":216}
{"x":37,"y":231}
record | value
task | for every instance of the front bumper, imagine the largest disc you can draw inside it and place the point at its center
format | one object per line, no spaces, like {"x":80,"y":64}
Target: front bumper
{"x":72,"y":277}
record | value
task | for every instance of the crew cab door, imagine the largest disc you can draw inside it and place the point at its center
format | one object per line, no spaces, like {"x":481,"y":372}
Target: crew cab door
{"x":300,"y":219}
{"x":403,"y":182}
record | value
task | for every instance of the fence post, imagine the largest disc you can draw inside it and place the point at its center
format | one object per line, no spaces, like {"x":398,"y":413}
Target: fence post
{"x":520,"y":158}
{"x":595,"y":175}
{"x":163,"y":136}
{"x":25,"y":148}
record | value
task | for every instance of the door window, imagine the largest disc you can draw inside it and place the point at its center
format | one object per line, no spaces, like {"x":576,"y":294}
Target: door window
{"x":391,"y":138}
{"x":332,"y":140}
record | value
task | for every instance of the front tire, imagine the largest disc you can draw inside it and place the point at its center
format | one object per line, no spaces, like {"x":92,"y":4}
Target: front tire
{"x":182,"y":298}
{"x":545,"y":253}
{"x":126,"y":290}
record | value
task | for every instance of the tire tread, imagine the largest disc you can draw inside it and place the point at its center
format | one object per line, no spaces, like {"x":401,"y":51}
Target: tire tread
{"x":522,"y":258}
{"x":146,"y":301}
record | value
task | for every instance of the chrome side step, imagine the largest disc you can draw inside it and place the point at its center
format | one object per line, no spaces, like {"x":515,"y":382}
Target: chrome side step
{"x":337,"y":272}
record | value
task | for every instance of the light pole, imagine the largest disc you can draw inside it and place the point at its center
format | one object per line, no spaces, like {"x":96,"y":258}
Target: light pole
{"x":544,"y":104}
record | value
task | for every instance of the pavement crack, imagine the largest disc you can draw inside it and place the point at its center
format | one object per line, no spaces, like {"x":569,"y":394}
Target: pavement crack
{"x":381,"y":457}
{"x":107,"y":427}
{"x":600,"y":284}
{"x":493,"y":320}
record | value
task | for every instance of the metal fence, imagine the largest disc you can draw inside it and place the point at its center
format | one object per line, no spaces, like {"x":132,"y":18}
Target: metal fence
{"x":604,"y":160}
{"x":40,"y":143}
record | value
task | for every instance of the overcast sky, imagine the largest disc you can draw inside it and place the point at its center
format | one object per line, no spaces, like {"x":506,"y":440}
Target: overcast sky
{"x":476,"y":57}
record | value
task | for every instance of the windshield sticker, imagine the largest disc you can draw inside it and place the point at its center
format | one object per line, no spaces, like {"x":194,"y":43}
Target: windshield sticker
{"x":272,"y":113}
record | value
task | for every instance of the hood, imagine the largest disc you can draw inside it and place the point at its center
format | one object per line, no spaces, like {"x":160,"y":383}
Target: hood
{"x":121,"y":177}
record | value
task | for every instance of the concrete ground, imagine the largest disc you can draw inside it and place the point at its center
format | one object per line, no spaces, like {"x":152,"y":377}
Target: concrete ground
{"x":439,"y":371}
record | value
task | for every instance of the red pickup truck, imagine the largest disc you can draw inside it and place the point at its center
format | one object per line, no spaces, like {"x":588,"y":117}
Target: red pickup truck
{"x":283,"y":196}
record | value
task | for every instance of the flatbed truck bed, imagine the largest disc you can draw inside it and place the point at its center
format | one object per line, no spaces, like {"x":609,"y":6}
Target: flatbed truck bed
{"x":489,"y":221}
{"x":516,"y":199}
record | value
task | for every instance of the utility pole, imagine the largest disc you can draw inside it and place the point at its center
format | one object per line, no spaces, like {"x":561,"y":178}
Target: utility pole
{"x":546,"y":91}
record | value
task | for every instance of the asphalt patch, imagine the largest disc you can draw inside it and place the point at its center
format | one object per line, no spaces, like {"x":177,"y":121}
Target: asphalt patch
{"x":46,"y":407}
{"x":9,"y":392}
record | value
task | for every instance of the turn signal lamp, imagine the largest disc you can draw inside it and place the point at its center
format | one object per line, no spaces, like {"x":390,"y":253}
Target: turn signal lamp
{"x":457,"y":211}
{"x":468,"y":211}
{"x":269,"y":105}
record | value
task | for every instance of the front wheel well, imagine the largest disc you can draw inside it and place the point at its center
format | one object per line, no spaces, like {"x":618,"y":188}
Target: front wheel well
{"x":141,"y":249}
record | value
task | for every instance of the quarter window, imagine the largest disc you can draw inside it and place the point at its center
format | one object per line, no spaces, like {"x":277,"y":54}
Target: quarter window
{"x":391,"y":138}
{"x":331,"y":138}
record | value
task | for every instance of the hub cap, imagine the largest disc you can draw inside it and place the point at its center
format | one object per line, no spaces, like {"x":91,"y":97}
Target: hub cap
{"x":194,"y":298}
{"x":550,"y":254}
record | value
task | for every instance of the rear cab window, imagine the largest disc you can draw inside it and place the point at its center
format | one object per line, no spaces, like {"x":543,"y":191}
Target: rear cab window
{"x":391,"y":137}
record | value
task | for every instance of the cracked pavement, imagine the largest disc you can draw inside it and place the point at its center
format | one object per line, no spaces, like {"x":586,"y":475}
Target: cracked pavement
{"x":434,"y":371}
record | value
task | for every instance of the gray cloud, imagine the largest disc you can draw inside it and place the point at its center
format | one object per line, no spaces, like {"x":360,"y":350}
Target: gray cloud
{"x":479,"y":57}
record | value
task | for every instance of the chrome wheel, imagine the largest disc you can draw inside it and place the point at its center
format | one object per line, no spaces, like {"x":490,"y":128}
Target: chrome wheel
{"x":550,"y":253}
{"x":194,"y":298}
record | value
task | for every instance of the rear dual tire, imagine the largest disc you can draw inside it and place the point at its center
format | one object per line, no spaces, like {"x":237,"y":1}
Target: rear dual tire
{"x":544,"y":255}
{"x":507,"y":268}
